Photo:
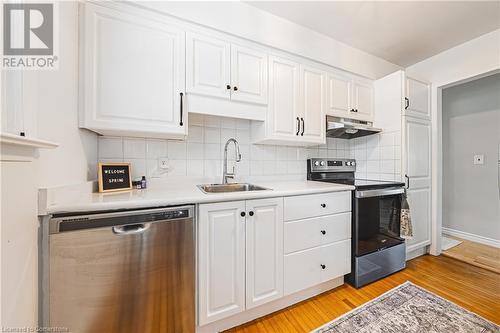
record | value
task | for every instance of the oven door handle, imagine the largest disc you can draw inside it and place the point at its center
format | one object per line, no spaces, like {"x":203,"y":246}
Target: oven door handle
{"x":379,"y":193}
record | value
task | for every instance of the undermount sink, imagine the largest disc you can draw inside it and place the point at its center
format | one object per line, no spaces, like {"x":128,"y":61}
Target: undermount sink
{"x":231,"y":187}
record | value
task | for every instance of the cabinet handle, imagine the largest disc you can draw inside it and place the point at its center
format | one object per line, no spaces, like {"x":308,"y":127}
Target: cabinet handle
{"x":303,"y":126}
{"x":354,"y":110}
{"x":323,"y":266}
{"x":228,"y":87}
{"x":323,"y":205}
{"x":182,"y":99}
{"x":235,"y":88}
{"x":298,"y":126}
{"x":407,"y":182}
{"x":250,"y":213}
{"x":323,"y":232}
{"x":243,"y":214}
{"x":407,"y":103}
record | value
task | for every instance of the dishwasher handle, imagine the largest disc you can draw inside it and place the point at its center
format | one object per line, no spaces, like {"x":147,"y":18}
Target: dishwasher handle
{"x":130,"y":229}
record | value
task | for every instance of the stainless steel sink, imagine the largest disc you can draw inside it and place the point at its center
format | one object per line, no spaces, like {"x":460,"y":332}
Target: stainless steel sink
{"x":232,"y":187}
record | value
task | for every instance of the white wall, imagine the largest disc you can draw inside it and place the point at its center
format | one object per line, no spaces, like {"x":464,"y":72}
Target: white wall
{"x":463,"y":62}
{"x":471,"y":125}
{"x":51,"y":96}
{"x":249,"y":22}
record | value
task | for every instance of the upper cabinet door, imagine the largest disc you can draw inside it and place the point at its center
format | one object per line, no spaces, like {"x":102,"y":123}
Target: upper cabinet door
{"x":208,"y":66}
{"x":221,"y":260}
{"x":417,"y":99}
{"x":339,"y":96}
{"x":284,"y":100}
{"x":313,"y":97}
{"x":264,"y":251}
{"x":133,"y":74}
{"x":248,"y":75}
{"x":363,"y":101}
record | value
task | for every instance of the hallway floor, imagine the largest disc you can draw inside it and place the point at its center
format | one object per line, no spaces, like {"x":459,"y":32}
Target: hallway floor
{"x":480,"y":255}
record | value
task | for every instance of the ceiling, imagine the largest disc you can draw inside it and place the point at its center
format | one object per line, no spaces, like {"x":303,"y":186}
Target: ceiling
{"x":403,"y":32}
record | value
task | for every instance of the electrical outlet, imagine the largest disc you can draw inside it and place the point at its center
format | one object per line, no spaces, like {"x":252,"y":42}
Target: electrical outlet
{"x":163,"y":163}
{"x":478,"y":159}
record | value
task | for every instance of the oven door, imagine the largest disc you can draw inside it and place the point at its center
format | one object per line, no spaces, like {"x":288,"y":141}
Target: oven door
{"x":376,"y":217}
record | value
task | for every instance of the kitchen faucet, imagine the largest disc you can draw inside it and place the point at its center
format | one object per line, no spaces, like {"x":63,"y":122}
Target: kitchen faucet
{"x":225,"y":174}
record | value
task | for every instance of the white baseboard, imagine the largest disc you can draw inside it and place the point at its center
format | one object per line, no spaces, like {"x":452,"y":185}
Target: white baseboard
{"x":412,"y":254}
{"x":472,"y":237}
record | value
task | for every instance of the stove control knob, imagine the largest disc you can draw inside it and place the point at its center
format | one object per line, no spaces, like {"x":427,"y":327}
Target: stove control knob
{"x":322,"y":163}
{"x":348,"y":163}
{"x":316,"y":163}
{"x":353,"y":163}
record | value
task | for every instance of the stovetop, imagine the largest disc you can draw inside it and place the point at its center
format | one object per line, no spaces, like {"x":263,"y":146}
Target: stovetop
{"x":342,"y":171}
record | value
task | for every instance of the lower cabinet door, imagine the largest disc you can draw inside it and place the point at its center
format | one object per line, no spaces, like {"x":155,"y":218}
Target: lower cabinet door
{"x":221,"y":260}
{"x":335,"y":260}
{"x":302,"y":270}
{"x":264,"y":251}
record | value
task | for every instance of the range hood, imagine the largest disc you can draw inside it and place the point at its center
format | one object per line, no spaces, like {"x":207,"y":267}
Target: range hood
{"x":345,"y":128}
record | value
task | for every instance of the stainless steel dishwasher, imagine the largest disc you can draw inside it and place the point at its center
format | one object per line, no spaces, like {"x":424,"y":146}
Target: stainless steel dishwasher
{"x":129,"y":271}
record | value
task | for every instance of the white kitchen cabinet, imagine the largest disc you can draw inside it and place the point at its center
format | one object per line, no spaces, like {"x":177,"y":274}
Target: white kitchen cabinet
{"x":224,"y":78}
{"x":339,"y":95}
{"x":132,"y":72}
{"x":297,"y":105}
{"x":208,"y":66}
{"x":350,"y":97}
{"x":240,"y":256}
{"x":313,"y":108}
{"x":417,"y":99}
{"x":221,"y":260}
{"x":248,"y":75}
{"x":283,"y":121}
{"x":417,"y":171}
{"x":264,"y":251}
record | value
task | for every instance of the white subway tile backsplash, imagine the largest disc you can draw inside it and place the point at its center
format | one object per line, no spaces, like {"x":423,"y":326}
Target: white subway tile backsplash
{"x":177,"y":150}
{"x":110,"y":147}
{"x":212,"y":151}
{"x":195,"y":134}
{"x":137,"y":167}
{"x":195,"y":151}
{"x":156,"y":148}
{"x":134,"y":148}
{"x":177,"y":168}
{"x":212,"y":135}
{"x":201,"y":154}
{"x":194,"y":168}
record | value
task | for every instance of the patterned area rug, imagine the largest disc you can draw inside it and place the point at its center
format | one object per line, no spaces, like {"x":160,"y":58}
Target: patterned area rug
{"x":409,"y":308}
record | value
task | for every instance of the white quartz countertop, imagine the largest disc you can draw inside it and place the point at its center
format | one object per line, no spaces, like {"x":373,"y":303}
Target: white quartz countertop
{"x":81,"y":199}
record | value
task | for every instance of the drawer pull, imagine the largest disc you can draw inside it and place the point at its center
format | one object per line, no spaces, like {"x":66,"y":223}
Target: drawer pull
{"x":323,"y":232}
{"x":323,"y":205}
{"x":323,"y":266}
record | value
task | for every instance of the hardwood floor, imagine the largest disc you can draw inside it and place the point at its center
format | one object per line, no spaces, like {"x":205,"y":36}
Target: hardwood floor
{"x":471,"y":287}
{"x":487,"y":257}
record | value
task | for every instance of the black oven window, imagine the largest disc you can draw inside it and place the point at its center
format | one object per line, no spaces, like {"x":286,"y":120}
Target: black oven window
{"x":378,"y":223}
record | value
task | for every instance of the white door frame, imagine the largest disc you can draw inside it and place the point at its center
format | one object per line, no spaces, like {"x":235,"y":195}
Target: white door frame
{"x":437,"y":155}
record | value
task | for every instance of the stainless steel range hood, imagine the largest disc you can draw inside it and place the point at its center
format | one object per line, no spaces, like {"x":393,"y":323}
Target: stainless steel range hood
{"x":345,"y":128}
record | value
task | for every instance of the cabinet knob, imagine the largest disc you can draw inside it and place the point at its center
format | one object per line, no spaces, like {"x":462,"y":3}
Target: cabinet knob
{"x":323,"y":266}
{"x":243,"y":214}
{"x":235,"y":88}
{"x":323,"y":205}
{"x":323,"y":232}
{"x":250,"y":213}
{"x":228,"y":87}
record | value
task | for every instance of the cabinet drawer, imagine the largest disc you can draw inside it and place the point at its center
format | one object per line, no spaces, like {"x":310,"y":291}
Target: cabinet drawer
{"x":310,"y":267}
{"x":316,"y":231}
{"x":304,"y":206}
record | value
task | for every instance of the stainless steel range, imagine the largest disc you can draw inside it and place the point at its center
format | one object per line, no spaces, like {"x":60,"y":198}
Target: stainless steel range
{"x":377,"y":248}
